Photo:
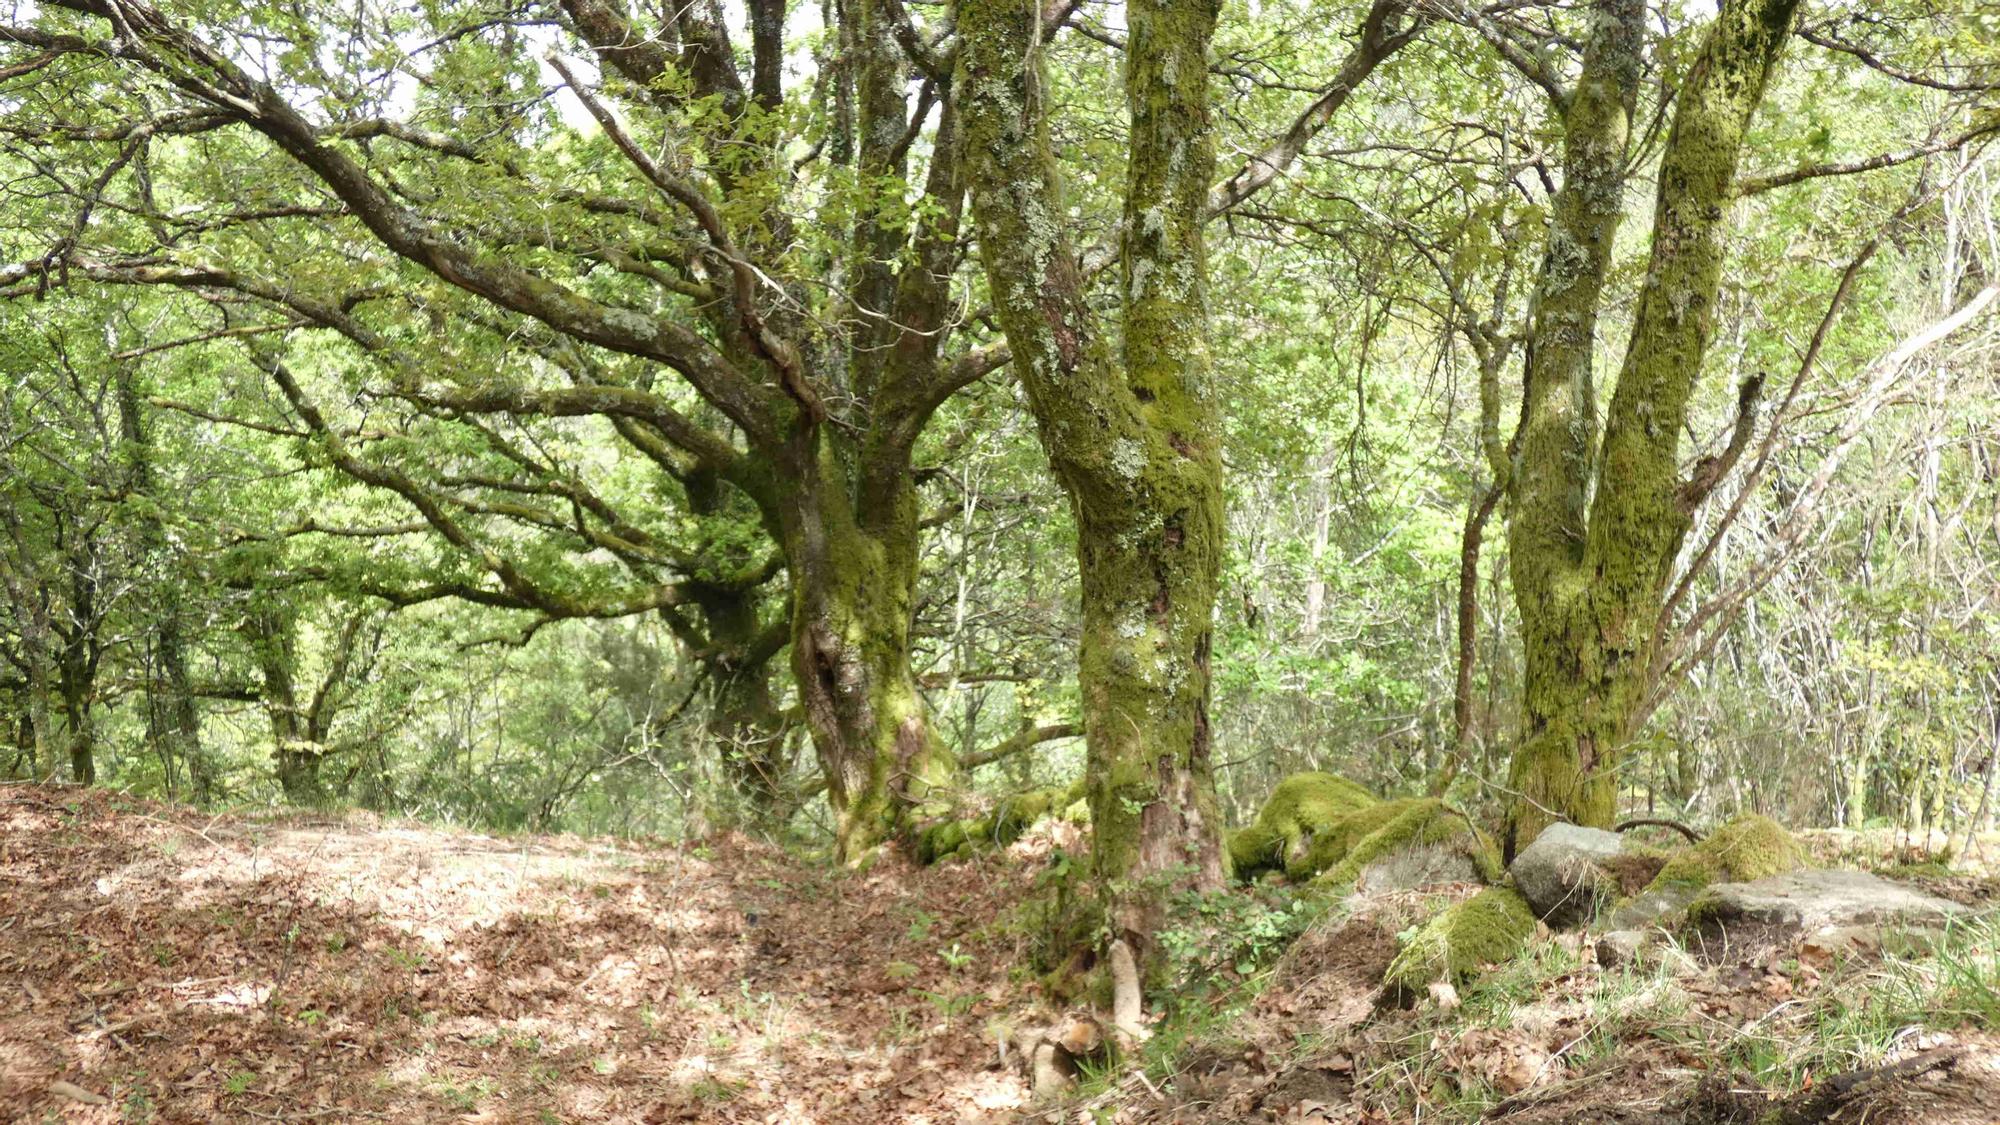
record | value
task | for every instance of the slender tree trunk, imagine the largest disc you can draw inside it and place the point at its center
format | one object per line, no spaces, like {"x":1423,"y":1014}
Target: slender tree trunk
{"x":1132,"y":434}
{"x":173,"y":720}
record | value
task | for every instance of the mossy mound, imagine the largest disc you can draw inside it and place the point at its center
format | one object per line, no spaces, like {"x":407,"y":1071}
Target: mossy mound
{"x":1297,"y":814}
{"x":1491,"y":926}
{"x":1001,"y":825}
{"x":1340,"y":853}
{"x":1747,"y":848}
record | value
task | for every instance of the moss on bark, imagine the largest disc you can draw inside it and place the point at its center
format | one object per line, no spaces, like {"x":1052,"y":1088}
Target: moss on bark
{"x":1129,"y":421}
{"x":1595,"y":526}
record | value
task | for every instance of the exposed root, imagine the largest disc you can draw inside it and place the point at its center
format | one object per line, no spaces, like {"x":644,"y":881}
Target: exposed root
{"x":1659,"y":822}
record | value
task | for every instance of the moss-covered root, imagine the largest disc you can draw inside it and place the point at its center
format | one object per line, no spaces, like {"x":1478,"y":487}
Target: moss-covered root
{"x":1748,"y":847}
{"x":1491,"y":926}
{"x":1299,"y":810}
{"x":1339,"y":854}
{"x":1001,"y":825}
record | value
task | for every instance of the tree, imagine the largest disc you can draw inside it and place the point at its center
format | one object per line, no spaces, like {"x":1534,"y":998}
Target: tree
{"x":1132,"y":430}
{"x":612,"y":262}
{"x":1597,"y":519}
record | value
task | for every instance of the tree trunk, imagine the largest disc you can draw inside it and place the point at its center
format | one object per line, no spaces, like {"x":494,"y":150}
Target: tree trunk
{"x":295,"y":757}
{"x":854,"y":572}
{"x":173,"y":721}
{"x":1592,"y":566}
{"x":1132,"y":435}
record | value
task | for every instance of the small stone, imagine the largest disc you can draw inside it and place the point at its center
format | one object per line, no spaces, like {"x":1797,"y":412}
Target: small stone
{"x":1620,"y":948}
{"x":1652,"y":908}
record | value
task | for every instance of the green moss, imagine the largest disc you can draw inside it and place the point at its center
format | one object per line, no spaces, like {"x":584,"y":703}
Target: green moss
{"x":1302,"y":808}
{"x":1001,"y":825}
{"x":1748,"y":847}
{"x":1339,"y":854}
{"x":1491,"y":926}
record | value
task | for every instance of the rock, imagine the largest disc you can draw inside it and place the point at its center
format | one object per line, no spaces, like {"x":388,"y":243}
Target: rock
{"x":1421,"y":866}
{"x":1838,"y":943}
{"x":1560,"y":876}
{"x":1620,"y":948}
{"x":1653,"y":907}
{"x":1491,"y":926}
{"x":1813,"y":900}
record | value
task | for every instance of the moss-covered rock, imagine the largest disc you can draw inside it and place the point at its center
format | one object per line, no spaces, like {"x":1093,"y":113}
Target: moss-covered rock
{"x":1746,"y":849}
{"x":1000,"y":825}
{"x":1491,"y":926}
{"x":1299,"y":811}
{"x":1340,"y":854}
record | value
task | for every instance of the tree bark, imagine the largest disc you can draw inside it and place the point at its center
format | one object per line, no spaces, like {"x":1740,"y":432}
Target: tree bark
{"x":1596,"y":526}
{"x":854,"y":573}
{"x":1132,"y":434}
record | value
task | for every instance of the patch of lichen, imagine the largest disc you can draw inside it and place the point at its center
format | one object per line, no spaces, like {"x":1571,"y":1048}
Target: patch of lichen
{"x":1303,"y":808}
{"x":1491,"y":926}
{"x":1000,"y":825}
{"x":1748,"y":847}
{"x":1339,"y":854}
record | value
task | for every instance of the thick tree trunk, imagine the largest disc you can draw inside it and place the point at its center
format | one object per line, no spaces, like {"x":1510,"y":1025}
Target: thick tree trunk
{"x":1131,"y":436}
{"x":749,"y":732}
{"x":854,"y":572}
{"x":295,"y":756}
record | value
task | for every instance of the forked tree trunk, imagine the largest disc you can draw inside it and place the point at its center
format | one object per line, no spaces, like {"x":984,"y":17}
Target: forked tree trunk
{"x":854,"y":572}
{"x":1595,"y":526}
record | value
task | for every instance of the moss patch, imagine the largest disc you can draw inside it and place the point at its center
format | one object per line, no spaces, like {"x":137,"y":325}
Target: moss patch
{"x":1748,"y":847}
{"x":1300,"y":811}
{"x":1002,"y":824}
{"x":1340,"y":854}
{"x":1491,"y":926}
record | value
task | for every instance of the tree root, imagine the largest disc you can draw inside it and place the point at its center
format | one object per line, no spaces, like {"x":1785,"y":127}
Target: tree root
{"x":1659,"y":822}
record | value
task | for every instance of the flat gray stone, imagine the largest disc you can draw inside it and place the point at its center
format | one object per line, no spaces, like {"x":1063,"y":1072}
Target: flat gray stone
{"x":1653,"y":908}
{"x":1561,"y":876}
{"x":1406,"y":869}
{"x":1812,"y":900}
{"x":1620,"y":948}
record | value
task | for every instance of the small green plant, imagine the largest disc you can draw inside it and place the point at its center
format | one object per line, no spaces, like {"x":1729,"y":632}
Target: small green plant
{"x":239,"y":1082}
{"x":955,"y":958}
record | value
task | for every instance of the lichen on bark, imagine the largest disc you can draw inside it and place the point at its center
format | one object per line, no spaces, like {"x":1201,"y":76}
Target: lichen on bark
{"x":1595,"y":523}
{"x":1131,"y":429}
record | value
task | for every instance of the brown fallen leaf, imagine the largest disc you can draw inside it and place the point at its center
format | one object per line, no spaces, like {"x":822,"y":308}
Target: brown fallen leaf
{"x":63,"y":1089}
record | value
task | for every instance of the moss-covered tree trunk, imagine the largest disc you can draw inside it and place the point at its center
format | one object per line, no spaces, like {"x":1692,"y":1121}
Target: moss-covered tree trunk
{"x":1131,"y":433}
{"x":1595,"y":525}
{"x":272,"y":631}
{"x":852,"y":545}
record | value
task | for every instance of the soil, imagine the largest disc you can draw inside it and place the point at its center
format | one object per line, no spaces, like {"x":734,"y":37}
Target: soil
{"x":162,"y":965}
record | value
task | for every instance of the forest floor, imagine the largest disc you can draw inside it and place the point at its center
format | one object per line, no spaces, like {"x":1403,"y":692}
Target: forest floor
{"x":162,"y":964}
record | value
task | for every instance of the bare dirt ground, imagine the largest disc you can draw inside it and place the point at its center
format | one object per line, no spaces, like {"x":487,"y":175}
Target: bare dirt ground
{"x":157,"y":964}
